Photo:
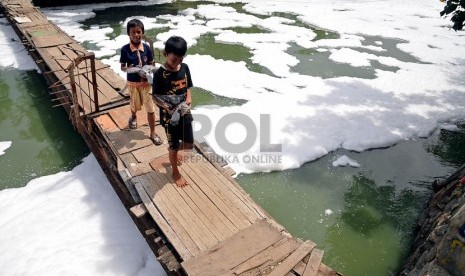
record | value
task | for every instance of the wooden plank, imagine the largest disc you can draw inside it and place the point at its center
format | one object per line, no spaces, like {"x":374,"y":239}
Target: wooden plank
{"x":49,"y":59}
{"x":224,"y":185}
{"x":163,"y":224}
{"x":135,"y":168}
{"x":107,"y":91}
{"x":50,"y":40}
{"x":166,"y":210}
{"x":229,"y":170}
{"x":237,"y":189}
{"x":221,"y":220}
{"x":169,"y":211}
{"x":78,"y":48}
{"x":56,"y":53}
{"x":68,"y":51}
{"x":113,"y":79}
{"x":128,"y":159}
{"x":195,"y":226}
{"x":139,"y":210}
{"x":35,"y":15}
{"x":299,"y":268}
{"x":324,"y":270}
{"x":149,"y":153}
{"x":222,"y":203}
{"x":140,"y":169}
{"x":106,"y":123}
{"x":190,"y":212}
{"x":126,"y":141}
{"x":269,"y":257}
{"x":313,"y":264}
{"x":22,"y":19}
{"x":209,"y":213}
{"x":233,"y":251}
{"x":43,"y":30}
{"x":121,"y":116}
{"x":293,"y":259}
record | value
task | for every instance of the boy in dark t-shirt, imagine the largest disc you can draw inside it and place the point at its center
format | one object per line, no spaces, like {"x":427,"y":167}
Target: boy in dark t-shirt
{"x":173,"y":78}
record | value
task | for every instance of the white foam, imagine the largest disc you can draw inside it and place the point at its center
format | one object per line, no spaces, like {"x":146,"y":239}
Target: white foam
{"x":4,"y":145}
{"x":12,"y":51}
{"x":343,"y":161}
{"x":71,"y":223}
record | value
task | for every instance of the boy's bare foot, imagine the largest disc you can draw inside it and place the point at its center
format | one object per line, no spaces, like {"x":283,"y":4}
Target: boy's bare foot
{"x":179,"y":180}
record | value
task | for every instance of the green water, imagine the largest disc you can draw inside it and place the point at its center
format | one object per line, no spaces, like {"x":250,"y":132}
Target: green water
{"x":43,"y":140}
{"x":375,"y":207}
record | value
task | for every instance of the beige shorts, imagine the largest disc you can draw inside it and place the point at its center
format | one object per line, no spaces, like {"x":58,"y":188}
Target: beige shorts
{"x":141,"y":94}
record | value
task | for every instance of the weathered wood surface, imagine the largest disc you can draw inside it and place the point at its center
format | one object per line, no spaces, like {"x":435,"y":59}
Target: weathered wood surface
{"x":213,"y":225}
{"x":58,"y":50}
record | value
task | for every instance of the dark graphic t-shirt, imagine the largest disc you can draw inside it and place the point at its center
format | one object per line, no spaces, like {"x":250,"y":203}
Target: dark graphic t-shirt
{"x":171,"y":83}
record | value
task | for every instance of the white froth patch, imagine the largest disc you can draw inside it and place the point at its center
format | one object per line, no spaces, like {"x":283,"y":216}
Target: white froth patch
{"x":345,"y":161}
{"x":71,"y":223}
{"x":4,"y":145}
{"x":12,"y":51}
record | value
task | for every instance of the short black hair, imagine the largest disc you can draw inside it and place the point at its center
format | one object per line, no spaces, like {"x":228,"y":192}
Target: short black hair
{"x":176,"y":45}
{"x":135,"y":23}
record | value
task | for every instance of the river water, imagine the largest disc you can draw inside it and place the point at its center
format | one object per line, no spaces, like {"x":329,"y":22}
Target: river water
{"x":363,"y":216}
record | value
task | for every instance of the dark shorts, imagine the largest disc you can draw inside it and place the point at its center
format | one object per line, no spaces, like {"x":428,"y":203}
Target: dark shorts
{"x":181,"y":132}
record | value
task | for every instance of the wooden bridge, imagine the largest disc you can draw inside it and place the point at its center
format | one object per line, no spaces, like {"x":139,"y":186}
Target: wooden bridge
{"x":210,"y":227}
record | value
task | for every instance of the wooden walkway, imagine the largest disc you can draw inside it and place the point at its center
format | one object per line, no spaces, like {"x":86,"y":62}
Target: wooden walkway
{"x":210,"y":227}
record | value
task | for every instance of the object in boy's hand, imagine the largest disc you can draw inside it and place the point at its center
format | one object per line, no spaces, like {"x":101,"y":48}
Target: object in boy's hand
{"x":175,"y":104}
{"x":171,"y":101}
{"x":145,"y":71}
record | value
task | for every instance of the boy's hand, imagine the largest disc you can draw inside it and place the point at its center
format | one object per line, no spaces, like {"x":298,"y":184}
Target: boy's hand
{"x":163,"y":105}
{"x":125,"y":68}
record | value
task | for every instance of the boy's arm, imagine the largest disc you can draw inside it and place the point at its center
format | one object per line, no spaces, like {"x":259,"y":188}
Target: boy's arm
{"x":161,"y":104}
{"x":123,"y":59}
{"x":188,"y":97}
{"x":189,"y":86}
{"x":155,"y":92}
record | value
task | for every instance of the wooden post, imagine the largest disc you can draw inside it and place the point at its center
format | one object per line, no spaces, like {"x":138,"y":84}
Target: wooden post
{"x":74,"y":110}
{"x":94,"y":80}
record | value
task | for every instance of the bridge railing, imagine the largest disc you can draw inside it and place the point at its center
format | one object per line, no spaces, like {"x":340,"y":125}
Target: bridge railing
{"x":83,"y":82}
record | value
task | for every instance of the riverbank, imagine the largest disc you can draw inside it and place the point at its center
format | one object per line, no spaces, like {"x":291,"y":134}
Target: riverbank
{"x":439,"y":248}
